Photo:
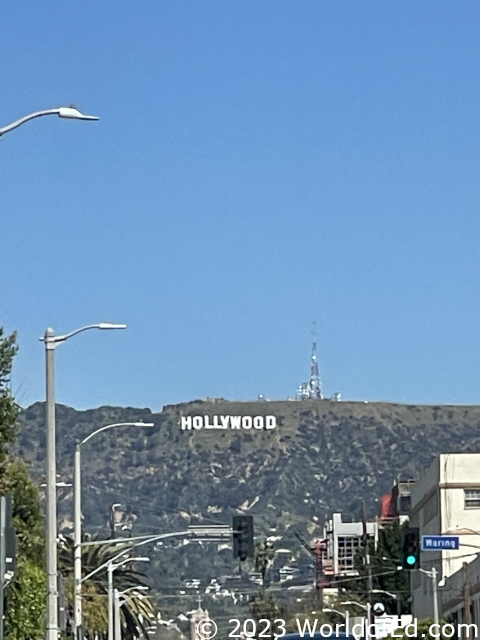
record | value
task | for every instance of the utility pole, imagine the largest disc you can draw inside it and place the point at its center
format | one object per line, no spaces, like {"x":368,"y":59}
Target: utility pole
{"x":112,"y":520}
{"x":466,"y":598}
{"x":435,"y":595}
{"x":368,"y":566}
{"x":317,"y":552}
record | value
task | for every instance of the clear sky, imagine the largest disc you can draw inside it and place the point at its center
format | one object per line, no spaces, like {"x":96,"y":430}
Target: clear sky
{"x":257,"y":165}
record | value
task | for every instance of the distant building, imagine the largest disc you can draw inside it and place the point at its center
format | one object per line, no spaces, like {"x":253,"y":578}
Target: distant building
{"x":395,"y":506}
{"x":453,"y":595}
{"x":200,"y":628}
{"x":343,"y":541}
{"x":445,"y":500}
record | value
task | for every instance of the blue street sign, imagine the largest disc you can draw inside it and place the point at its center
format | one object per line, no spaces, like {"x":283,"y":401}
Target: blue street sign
{"x":437,"y":543}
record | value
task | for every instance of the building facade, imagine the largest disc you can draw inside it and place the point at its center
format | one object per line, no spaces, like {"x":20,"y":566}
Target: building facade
{"x":343,"y":541}
{"x":461,"y":591}
{"x":445,"y":500}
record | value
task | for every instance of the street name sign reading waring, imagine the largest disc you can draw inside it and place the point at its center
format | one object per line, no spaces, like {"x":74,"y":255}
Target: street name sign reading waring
{"x":246,"y":423}
{"x":437,"y":543}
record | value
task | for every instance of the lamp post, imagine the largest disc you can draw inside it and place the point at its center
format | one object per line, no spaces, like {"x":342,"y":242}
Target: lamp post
{"x":345,"y":614}
{"x":72,"y":113}
{"x":77,"y":521}
{"x":367,"y":608}
{"x":395,"y":596}
{"x":111,"y":566}
{"x":51,"y":342}
{"x":117,"y":603}
{"x":433,"y":575}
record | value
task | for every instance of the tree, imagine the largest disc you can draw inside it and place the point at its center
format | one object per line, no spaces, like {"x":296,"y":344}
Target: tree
{"x":263,"y":606}
{"x":384,"y":561}
{"x":423,"y":632}
{"x":264,"y":556}
{"x":137,"y":610}
{"x":8,"y":406}
{"x":25,"y":596}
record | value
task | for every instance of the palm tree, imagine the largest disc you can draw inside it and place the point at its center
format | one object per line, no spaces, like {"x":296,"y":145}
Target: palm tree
{"x":264,"y":556}
{"x":136,"y":612}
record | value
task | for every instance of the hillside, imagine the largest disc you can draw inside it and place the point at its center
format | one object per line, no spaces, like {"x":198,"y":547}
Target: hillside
{"x":322,"y":457}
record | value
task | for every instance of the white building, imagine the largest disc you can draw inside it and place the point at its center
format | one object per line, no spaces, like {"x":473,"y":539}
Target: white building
{"x":344,"y":540}
{"x":453,"y":595}
{"x":445,"y":500}
{"x":200,"y":627}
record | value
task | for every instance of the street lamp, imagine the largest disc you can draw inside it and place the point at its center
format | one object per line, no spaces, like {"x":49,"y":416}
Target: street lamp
{"x":117,"y":603}
{"x":367,"y":608}
{"x":72,"y":113}
{"x":111,"y":566}
{"x":395,"y":596}
{"x":51,"y":342}
{"x":77,"y":521}
{"x":345,"y":615}
{"x":433,"y":575}
{"x":359,"y":604}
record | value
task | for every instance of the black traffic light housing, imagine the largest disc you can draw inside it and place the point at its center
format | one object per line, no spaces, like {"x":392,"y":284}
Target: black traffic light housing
{"x":242,"y":527}
{"x":411,"y":548}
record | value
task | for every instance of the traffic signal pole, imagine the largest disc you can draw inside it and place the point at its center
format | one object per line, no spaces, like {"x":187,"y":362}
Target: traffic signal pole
{"x":433,"y":575}
{"x":435,"y":595}
{"x":368,"y":567}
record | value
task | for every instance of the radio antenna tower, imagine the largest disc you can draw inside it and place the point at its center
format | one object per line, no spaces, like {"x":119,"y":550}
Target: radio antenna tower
{"x":312,"y":388}
{"x":315,"y":383}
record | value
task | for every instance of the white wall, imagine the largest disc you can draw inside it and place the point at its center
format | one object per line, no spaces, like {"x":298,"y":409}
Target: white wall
{"x":447,"y":478}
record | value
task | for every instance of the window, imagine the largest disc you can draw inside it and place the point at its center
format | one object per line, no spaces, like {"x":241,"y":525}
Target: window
{"x":431,"y":509}
{"x":472,"y":498}
{"x":347,"y":547}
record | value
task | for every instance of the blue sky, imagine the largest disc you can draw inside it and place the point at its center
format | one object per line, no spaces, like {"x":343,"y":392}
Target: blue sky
{"x":257,"y":165}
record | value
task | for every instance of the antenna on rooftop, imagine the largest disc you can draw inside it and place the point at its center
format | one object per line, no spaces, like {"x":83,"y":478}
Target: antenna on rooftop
{"x":315,"y":383}
{"x":313,"y":388}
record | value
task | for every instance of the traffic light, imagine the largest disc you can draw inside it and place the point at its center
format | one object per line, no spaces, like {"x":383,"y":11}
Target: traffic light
{"x":411,"y":548}
{"x":242,"y":537}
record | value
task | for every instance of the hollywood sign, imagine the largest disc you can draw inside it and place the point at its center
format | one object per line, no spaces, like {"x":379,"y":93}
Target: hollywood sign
{"x":228,"y":422}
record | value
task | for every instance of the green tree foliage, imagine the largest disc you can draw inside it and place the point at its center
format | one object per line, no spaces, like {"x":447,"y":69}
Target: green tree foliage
{"x":262,"y":605}
{"x":384,"y":561}
{"x":25,"y":596}
{"x":137,"y":609}
{"x":422,"y":631}
{"x":264,"y":556}
{"x":8,"y":406}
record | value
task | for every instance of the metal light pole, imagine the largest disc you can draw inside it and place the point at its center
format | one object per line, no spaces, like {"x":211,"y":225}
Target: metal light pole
{"x":367,"y":609}
{"x":435,"y":595}
{"x":72,"y":113}
{"x":77,"y":521}
{"x":345,"y":614}
{"x":433,"y":575}
{"x":51,"y":342}
{"x":117,"y":603}
{"x":111,"y":566}
{"x":395,"y":596}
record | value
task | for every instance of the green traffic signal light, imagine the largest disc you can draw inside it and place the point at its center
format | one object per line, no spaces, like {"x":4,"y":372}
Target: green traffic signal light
{"x":410,"y":551}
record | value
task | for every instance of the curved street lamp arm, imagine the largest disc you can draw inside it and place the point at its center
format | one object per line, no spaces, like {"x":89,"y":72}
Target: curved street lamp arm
{"x":161,"y":536}
{"x":51,"y":340}
{"x":118,"y":424}
{"x":31,"y":116}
